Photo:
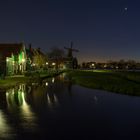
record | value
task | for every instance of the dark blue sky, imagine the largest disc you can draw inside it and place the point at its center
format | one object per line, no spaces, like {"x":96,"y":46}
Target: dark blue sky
{"x":100,"y":29}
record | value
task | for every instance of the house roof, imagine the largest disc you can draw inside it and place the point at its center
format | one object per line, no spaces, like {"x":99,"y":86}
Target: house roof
{"x":7,"y":49}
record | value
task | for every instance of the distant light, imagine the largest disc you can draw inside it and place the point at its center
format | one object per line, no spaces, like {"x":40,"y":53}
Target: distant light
{"x":47,"y":84}
{"x":53,"y":64}
{"x":93,"y":64}
{"x":47,"y":63}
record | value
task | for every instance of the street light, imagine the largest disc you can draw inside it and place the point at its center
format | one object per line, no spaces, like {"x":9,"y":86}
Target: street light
{"x":7,"y":59}
{"x":23,"y":60}
{"x":53,"y":64}
{"x":33,"y":64}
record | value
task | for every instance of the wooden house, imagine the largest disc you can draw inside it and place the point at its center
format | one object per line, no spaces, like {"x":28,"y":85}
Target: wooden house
{"x":12,"y":59}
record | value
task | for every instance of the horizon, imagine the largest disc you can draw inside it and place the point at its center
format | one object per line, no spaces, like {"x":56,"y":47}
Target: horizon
{"x":75,"y":53}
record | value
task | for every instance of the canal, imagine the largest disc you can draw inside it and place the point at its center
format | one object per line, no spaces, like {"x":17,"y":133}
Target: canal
{"x":59,"y":109}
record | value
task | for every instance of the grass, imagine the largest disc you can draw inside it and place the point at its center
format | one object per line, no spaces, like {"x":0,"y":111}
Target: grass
{"x":12,"y":81}
{"x":9,"y":82}
{"x":114,"y":81}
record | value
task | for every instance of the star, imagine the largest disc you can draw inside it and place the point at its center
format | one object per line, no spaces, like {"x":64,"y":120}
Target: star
{"x":126,"y":9}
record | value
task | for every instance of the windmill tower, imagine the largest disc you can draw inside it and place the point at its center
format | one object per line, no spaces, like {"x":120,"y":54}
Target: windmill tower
{"x":71,"y":50}
{"x":71,"y":61}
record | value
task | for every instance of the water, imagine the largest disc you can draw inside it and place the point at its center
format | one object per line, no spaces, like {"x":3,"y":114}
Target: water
{"x":57,"y":109}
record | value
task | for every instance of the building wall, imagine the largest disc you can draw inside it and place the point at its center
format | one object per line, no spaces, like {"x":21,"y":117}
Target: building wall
{"x":16,"y":64}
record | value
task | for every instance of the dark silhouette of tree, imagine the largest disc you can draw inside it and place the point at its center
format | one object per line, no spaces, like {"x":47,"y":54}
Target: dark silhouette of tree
{"x":131,"y":64}
{"x":56,"y":55}
{"x":112,"y":64}
{"x":83,"y":65}
{"x":122,"y":64}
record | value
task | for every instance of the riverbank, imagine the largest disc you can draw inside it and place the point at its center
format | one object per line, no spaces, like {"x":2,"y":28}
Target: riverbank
{"x":12,"y":81}
{"x":115,"y":81}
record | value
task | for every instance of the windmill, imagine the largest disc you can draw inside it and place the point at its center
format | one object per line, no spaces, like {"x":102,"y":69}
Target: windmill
{"x":70,"y":60}
{"x":70,"y":50}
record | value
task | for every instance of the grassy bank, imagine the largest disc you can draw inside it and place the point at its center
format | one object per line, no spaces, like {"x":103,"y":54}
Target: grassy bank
{"x":12,"y":81}
{"x":9,"y":82}
{"x":114,"y":81}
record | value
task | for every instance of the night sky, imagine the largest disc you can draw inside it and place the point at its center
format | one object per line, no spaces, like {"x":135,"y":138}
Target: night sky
{"x":100,"y":29}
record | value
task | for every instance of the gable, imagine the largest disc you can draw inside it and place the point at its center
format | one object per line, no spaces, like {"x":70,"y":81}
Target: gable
{"x":6,"y":50}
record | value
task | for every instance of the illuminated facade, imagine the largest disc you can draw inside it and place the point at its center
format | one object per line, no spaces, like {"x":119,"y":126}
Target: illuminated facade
{"x":13,"y":59}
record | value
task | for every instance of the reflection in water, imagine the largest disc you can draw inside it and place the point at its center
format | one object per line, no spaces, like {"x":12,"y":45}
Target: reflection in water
{"x":5,"y":130}
{"x":25,"y":105}
{"x":49,"y":100}
{"x":95,"y":98}
{"x":55,"y":99}
{"x":46,"y":83}
{"x":46,"y":96}
{"x":37,"y":111}
{"x":52,"y":80}
{"x":52,"y":100}
{"x":16,"y":99}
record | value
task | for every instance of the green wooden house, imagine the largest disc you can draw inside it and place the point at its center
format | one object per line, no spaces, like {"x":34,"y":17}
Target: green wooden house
{"x":12,"y":59}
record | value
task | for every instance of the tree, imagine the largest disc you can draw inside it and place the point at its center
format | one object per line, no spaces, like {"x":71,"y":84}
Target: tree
{"x":39,"y":59}
{"x":122,"y":64}
{"x":83,"y":65}
{"x":112,"y":64}
{"x":56,"y":55}
{"x":131,"y":64}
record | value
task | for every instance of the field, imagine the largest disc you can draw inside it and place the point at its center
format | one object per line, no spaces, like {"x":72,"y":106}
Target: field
{"x":115,"y":81}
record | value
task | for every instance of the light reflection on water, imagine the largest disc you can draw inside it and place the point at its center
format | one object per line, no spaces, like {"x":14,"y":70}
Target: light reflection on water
{"x":60,"y":108}
{"x":53,"y":80}
{"x":22,"y":104}
{"x":52,"y":100}
{"x":16,"y":100}
{"x":5,"y":129}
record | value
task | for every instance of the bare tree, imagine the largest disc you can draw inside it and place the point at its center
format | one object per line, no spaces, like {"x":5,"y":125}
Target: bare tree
{"x":56,"y":55}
